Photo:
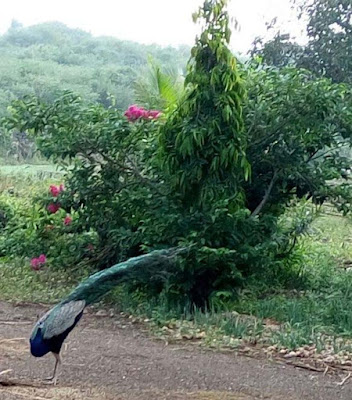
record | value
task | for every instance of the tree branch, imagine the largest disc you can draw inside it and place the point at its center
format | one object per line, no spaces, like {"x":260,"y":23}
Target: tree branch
{"x":266,"y":196}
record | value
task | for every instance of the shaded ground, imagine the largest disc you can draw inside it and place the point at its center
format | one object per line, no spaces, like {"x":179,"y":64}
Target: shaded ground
{"x":107,"y":358}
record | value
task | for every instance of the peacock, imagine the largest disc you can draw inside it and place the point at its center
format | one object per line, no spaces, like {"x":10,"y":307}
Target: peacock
{"x":51,"y":330}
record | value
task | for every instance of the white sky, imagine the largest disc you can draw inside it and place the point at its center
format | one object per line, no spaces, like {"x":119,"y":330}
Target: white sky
{"x":147,"y":21}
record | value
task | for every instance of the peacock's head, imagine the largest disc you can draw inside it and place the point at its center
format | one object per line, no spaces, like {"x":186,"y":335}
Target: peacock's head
{"x":39,"y":324}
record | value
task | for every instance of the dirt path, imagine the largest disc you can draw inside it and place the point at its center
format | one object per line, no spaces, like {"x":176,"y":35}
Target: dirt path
{"x":107,"y":358}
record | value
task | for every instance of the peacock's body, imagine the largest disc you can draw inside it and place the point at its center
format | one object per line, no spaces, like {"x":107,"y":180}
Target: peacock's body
{"x":52,"y":329}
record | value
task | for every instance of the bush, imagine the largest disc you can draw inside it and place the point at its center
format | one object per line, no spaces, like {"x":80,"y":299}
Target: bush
{"x":28,"y":229}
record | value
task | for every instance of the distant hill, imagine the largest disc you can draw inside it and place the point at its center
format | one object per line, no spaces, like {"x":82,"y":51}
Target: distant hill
{"x":47,"y":58}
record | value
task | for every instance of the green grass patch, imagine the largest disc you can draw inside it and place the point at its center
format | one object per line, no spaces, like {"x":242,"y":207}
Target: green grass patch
{"x":19,"y":283}
{"x":322,"y":305}
{"x":38,"y":170}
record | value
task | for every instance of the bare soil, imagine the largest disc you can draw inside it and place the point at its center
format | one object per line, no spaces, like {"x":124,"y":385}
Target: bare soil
{"x":112,"y":359}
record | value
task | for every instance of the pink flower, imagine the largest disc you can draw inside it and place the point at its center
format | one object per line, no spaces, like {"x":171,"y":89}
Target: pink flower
{"x":36,"y":263}
{"x":67,"y":220}
{"x":53,"y":207}
{"x":133,"y":113}
{"x":153,"y":114}
{"x":56,"y":190}
{"x":42,"y":259}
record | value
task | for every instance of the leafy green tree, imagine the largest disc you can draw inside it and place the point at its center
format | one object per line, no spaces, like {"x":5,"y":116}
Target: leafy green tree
{"x":297,"y":129}
{"x":204,"y":141}
{"x":328,"y":52}
{"x":281,"y":51}
{"x":330,"y":32}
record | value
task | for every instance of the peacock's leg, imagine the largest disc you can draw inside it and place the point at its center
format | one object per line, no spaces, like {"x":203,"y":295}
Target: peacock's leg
{"x":53,"y":379}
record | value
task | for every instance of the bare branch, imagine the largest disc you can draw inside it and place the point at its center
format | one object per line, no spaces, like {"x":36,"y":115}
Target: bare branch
{"x":266,"y":196}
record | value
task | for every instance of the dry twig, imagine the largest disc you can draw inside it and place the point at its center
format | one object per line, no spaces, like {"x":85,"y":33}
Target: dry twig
{"x":5,"y":372}
{"x":344,"y":380}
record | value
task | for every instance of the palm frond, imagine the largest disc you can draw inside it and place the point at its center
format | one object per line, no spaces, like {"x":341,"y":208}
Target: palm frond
{"x":159,"y":89}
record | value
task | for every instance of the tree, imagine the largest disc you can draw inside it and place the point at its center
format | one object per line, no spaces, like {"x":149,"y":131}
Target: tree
{"x":15,"y":24}
{"x":204,"y":141}
{"x":281,"y":51}
{"x":330,"y":32}
{"x":329,"y":48}
{"x":297,"y":129}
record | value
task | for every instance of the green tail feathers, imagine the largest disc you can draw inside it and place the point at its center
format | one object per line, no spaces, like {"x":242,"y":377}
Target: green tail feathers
{"x":99,"y":284}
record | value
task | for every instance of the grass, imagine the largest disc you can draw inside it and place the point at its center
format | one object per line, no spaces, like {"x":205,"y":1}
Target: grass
{"x":326,"y":297}
{"x":19,"y":283}
{"x":38,"y":170}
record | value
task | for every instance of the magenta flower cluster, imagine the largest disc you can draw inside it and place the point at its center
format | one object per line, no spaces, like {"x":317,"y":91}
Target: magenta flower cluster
{"x":53,"y":207}
{"x":56,"y":190}
{"x":134,"y":113}
{"x":37,"y":263}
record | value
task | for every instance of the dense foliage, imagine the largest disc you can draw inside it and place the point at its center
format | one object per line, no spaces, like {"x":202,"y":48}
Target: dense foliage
{"x":220,"y":171}
{"x":203,"y":141}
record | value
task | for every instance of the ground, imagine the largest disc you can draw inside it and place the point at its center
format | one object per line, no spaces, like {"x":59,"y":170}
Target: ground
{"x":110,"y":358}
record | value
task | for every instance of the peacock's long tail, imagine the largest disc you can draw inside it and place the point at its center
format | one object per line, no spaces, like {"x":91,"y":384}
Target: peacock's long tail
{"x":97,"y":285}
{"x":51,"y":330}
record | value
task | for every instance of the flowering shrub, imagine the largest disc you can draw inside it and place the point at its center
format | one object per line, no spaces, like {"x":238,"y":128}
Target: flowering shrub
{"x":31,"y":229}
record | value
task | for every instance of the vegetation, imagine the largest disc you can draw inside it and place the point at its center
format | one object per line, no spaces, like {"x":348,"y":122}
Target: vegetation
{"x":328,"y":51}
{"x":236,"y":165}
{"x":46,"y":59}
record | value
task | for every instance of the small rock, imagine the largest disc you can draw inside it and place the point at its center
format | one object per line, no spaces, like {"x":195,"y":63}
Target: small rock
{"x":329,"y":359}
{"x":187,"y":336}
{"x":246,"y":350}
{"x":347,"y":362}
{"x":101,"y":313}
{"x":200,"y":335}
{"x":291,"y":354}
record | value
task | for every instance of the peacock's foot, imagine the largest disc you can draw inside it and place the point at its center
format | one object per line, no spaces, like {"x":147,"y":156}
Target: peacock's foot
{"x":50,"y":381}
